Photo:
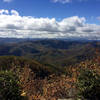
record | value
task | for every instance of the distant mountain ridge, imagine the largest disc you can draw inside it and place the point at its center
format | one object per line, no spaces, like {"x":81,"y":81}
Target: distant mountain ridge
{"x":52,"y":52}
{"x":14,"y":40}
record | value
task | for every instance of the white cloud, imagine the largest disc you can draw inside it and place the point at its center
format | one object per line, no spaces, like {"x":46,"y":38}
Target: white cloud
{"x":67,"y":1}
{"x":62,"y":1}
{"x":14,"y":25}
{"x":14,"y":12}
{"x":98,"y":18}
{"x":7,"y":1}
{"x":4,"y":11}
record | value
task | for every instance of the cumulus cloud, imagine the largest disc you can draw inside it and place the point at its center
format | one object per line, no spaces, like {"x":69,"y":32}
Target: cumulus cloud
{"x":14,"y":12}
{"x":14,"y":25}
{"x":4,"y":11}
{"x":7,"y":1}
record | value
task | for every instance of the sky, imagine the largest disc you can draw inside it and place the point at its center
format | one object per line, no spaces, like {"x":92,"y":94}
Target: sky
{"x":50,"y":18}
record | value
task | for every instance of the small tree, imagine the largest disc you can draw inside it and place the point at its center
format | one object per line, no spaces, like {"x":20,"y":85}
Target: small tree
{"x":9,"y":86}
{"x":88,"y":84}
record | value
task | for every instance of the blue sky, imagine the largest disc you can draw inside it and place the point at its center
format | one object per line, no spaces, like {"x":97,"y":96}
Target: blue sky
{"x":89,"y":9}
{"x":52,"y":12}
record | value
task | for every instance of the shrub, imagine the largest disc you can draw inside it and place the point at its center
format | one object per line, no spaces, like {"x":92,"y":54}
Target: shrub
{"x":88,"y":84}
{"x":9,"y":86}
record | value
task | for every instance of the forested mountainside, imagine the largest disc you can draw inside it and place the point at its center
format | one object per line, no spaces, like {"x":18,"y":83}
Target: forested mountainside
{"x":51,"y":52}
{"x":49,"y":70}
{"x":39,"y":82}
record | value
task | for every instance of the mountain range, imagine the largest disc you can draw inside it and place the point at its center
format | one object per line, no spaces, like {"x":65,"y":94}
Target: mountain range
{"x":52,"y":52}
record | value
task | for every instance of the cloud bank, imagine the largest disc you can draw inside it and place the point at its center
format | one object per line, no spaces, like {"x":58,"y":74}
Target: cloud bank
{"x":14,"y":25}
